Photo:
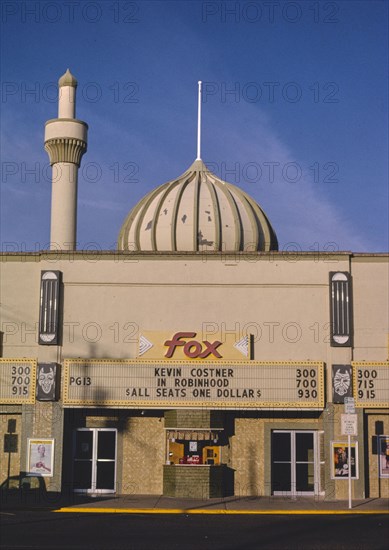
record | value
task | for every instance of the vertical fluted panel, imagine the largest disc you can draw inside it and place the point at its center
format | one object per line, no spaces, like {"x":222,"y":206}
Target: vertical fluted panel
{"x":65,"y":150}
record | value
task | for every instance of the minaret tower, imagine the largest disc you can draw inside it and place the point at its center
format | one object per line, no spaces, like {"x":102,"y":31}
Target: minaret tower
{"x":65,"y":142}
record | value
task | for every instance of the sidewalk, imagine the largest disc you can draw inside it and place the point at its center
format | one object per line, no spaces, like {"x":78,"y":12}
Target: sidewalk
{"x":147,"y":504}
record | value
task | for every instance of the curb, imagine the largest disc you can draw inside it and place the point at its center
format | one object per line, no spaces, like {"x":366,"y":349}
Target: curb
{"x":212,"y":512}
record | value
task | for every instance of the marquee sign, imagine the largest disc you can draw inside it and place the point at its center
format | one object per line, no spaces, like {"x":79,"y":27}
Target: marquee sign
{"x":17,"y":381}
{"x":371,"y":384}
{"x":185,"y":384}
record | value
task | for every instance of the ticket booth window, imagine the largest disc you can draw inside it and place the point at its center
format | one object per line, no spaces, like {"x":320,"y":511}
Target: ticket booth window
{"x":193,"y":447}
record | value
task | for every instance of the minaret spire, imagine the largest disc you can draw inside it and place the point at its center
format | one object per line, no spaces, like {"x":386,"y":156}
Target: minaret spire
{"x":199,"y":123}
{"x":65,"y":142}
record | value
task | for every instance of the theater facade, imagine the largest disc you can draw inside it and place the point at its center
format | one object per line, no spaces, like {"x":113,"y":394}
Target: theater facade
{"x":196,"y":360}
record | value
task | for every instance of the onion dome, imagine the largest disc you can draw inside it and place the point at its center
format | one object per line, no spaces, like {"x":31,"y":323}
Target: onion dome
{"x":67,"y":79}
{"x":197,"y":212}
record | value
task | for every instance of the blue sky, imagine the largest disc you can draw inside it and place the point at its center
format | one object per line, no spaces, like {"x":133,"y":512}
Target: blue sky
{"x":294,"y":112}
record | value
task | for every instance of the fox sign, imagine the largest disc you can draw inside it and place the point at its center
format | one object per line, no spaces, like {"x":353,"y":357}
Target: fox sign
{"x":192,"y":348}
{"x":191,"y":345}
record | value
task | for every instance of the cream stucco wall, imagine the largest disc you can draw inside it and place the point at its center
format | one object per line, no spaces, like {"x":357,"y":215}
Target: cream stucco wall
{"x":371,"y":311}
{"x":283,"y":300}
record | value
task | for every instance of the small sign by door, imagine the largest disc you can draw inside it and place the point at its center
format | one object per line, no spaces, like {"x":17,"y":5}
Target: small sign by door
{"x":349,"y":405}
{"x":349,"y":424}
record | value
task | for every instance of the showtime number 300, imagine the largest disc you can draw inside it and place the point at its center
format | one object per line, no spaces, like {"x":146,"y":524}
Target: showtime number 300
{"x":306,"y":383}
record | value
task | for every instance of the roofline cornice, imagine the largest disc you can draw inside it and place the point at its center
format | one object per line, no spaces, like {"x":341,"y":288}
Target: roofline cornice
{"x":131,"y":256}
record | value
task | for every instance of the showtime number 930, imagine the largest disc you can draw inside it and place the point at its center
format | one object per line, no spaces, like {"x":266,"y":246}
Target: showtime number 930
{"x":306,"y":383}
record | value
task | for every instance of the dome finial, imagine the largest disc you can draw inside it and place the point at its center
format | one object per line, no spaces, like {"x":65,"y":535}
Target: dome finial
{"x":67,"y":79}
{"x":199,"y":123}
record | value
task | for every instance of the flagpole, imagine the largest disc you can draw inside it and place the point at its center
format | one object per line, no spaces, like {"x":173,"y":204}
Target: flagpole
{"x":199,"y":123}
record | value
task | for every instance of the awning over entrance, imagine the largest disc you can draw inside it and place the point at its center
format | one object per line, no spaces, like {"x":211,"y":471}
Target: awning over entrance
{"x":194,"y":434}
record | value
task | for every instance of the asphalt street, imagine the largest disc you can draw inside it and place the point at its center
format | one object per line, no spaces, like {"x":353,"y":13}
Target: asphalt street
{"x":58,"y":531}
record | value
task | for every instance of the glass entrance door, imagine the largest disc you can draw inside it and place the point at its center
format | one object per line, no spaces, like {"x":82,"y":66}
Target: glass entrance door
{"x":94,"y":462}
{"x":294,"y":462}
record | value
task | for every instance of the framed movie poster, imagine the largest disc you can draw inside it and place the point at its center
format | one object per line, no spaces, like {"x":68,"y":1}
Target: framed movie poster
{"x":384,"y":455}
{"x":40,"y":457}
{"x":339,"y":454}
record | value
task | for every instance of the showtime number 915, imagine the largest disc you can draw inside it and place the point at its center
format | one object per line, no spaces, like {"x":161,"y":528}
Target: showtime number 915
{"x":20,"y":380}
{"x":366,"y":383}
{"x":306,"y":382}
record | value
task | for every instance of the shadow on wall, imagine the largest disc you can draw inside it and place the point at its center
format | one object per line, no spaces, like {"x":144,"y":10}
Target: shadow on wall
{"x":99,"y":395}
{"x":253,"y":485}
